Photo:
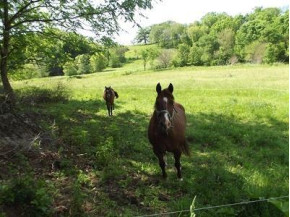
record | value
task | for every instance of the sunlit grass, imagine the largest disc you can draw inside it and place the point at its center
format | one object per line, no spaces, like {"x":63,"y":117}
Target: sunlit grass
{"x":237,"y":128}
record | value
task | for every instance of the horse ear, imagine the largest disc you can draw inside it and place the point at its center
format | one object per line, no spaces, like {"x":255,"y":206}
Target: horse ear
{"x":158,"y":88}
{"x":170,"y":88}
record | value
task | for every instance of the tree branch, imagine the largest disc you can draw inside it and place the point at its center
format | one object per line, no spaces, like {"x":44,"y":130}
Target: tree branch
{"x":23,"y":10}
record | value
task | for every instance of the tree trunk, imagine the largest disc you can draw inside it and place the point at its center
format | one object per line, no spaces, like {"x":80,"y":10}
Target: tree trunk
{"x":4,"y":56}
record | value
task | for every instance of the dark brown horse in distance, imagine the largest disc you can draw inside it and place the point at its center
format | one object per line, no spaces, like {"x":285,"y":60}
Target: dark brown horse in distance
{"x":166,"y":130}
{"x":109,"y":96}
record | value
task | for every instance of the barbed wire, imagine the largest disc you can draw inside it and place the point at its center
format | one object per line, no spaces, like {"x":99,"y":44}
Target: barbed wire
{"x":214,"y":207}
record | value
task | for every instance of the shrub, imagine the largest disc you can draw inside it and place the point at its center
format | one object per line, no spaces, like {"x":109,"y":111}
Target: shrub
{"x":165,"y":59}
{"x":117,"y":56}
{"x":33,"y":95}
{"x":70,"y":68}
{"x":29,"y":196}
{"x":195,"y":55}
{"x":29,"y":71}
{"x":255,"y":52}
{"x":83,"y":64}
{"x":98,"y":62}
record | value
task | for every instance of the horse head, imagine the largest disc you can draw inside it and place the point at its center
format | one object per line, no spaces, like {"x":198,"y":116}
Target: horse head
{"x":164,"y":108}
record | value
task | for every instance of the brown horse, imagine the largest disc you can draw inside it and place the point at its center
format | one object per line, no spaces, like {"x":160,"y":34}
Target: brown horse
{"x":166,"y":130}
{"x":109,"y":96}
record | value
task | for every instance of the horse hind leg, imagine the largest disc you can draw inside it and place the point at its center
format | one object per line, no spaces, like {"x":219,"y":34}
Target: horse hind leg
{"x":177,"y":164}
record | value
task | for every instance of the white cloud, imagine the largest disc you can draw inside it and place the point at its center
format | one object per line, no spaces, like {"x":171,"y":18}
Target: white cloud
{"x":188,"y":11}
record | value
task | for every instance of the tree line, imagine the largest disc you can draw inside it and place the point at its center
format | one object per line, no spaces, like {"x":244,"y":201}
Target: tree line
{"x":56,"y":52}
{"x":218,"y":38}
{"x":23,"y":19}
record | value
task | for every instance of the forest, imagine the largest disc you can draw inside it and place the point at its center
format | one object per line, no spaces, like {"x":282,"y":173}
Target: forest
{"x":217,"y":39}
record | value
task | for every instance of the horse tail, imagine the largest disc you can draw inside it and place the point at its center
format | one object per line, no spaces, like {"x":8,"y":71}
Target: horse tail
{"x":185,"y":148}
{"x":116,"y":94}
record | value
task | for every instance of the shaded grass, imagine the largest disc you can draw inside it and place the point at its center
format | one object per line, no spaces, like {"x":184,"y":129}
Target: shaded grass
{"x":237,"y":129}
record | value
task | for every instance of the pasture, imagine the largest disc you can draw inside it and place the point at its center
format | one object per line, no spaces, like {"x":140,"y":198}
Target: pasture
{"x":237,"y":129}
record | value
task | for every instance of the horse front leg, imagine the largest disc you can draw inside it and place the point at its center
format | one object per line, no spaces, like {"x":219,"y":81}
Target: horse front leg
{"x":162,"y":163}
{"x":177,"y":164}
{"x":111,"y":109}
{"x":108,"y":108}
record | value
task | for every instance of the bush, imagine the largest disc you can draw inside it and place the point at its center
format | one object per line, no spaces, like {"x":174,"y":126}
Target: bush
{"x":183,"y":54}
{"x":29,"y":71}
{"x":117,"y":56}
{"x":98,"y":62}
{"x":70,"y":68}
{"x":164,"y":59}
{"x":29,"y":196}
{"x":33,"y":95}
{"x":195,"y":55}
{"x":83,"y":64}
{"x":255,"y":52}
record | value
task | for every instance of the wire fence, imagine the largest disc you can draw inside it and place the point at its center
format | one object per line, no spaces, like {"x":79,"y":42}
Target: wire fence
{"x":214,"y":207}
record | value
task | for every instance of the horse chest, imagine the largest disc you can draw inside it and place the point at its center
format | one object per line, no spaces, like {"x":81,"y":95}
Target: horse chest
{"x":165,"y":143}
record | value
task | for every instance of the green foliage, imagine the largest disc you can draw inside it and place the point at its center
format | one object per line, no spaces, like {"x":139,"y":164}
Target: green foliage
{"x":98,"y":62}
{"x":255,"y":52}
{"x":167,"y":35}
{"x":70,"y":68}
{"x":83,"y":64}
{"x":164,"y":59}
{"x":149,"y":55}
{"x":145,"y":57}
{"x":195,"y":55}
{"x":219,"y":39}
{"x":182,"y":56}
{"x":192,"y":208}
{"x":105,"y":152}
{"x":36,"y":95}
{"x":28,"y":71}
{"x":142,"y":35}
{"x":117,"y":56}
{"x":30,"y":196}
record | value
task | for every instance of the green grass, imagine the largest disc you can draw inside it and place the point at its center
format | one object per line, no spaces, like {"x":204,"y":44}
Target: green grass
{"x":237,"y":129}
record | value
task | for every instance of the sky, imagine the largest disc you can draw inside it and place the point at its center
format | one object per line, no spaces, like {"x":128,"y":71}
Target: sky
{"x":188,"y":11}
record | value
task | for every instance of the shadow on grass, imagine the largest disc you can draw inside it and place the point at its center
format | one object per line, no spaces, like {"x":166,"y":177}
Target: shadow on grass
{"x":232,"y":161}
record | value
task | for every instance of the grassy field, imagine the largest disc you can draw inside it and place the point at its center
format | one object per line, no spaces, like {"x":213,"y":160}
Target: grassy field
{"x":237,"y":130}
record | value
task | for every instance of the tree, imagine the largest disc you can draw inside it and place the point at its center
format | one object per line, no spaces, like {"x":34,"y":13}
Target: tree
{"x":168,"y":34}
{"x":24,"y":16}
{"x":165,"y":58}
{"x":98,"y":62}
{"x":145,"y":57}
{"x":117,"y":56}
{"x":143,"y":35}
{"x":149,"y":55}
{"x":83,"y":63}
